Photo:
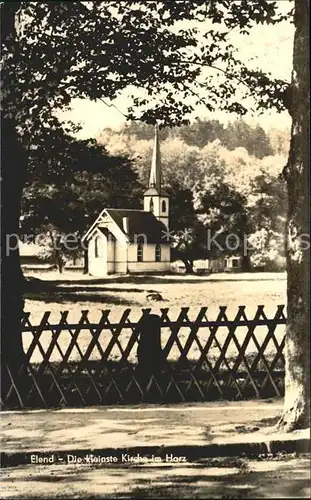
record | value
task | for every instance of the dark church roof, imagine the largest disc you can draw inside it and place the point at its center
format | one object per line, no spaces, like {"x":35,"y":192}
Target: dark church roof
{"x":140,"y":222}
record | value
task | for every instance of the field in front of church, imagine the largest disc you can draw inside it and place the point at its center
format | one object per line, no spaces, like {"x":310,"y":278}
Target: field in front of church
{"x":120,"y":293}
{"x":75,"y":293}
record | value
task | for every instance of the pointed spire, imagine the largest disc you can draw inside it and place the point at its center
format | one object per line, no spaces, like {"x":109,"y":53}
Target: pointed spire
{"x":155,"y":172}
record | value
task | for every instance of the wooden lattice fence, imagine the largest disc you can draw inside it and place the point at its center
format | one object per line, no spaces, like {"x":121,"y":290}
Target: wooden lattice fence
{"x":94,"y":363}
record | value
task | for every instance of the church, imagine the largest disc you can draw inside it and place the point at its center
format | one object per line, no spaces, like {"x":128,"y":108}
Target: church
{"x":125,"y":241}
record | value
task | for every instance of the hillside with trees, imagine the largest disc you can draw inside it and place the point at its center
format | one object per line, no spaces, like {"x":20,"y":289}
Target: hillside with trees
{"x":223,"y":178}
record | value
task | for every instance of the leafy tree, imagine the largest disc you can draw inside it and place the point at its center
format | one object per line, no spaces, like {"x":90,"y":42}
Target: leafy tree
{"x":268,"y":204}
{"x":58,"y":247}
{"x":260,"y":145}
{"x":235,"y":135}
{"x":202,"y":132}
{"x":187,"y":164}
{"x":222,"y":211}
{"x":71,"y":49}
{"x":142,"y":131}
{"x":181,"y":162}
{"x":55,"y":204}
{"x":266,"y":249}
{"x":49,"y":213}
{"x":259,"y":182}
{"x":255,"y":141}
{"x":187,"y":240}
{"x":279,"y":140}
{"x":266,"y":211}
{"x":189,"y":244}
{"x":139,"y":150}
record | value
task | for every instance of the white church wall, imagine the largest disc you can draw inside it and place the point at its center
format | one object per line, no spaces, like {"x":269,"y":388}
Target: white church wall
{"x":166,"y":253}
{"x":148,"y":267}
{"x":148,"y":264}
{"x":97,"y":265}
{"x":110,"y":256}
{"x":121,"y":257}
{"x":161,"y":215}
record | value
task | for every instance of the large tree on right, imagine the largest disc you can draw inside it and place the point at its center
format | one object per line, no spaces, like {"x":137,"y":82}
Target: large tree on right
{"x":296,"y":412}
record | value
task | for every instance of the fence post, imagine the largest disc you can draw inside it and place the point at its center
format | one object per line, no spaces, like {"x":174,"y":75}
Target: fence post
{"x":149,"y":351}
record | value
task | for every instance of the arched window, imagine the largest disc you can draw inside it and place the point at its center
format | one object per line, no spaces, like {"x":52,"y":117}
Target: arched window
{"x":97,"y":245}
{"x":163,"y":206}
{"x":158,"y":253}
{"x":151,"y":206}
{"x":140,"y":252}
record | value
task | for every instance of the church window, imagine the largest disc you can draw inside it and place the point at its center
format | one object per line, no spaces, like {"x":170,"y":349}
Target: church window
{"x":151,"y":205}
{"x":97,"y":246}
{"x":158,"y":253}
{"x":163,"y":206}
{"x":140,"y":252}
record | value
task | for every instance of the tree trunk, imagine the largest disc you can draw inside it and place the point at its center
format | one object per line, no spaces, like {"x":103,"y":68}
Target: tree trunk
{"x":246,"y":264}
{"x":12,"y":166}
{"x":59,"y":263}
{"x":13,"y":163}
{"x":86,"y":262}
{"x":296,"y":412}
{"x":189,"y":266}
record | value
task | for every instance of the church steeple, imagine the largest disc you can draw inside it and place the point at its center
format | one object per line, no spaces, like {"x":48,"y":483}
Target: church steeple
{"x":155,"y":180}
{"x":156,"y":199}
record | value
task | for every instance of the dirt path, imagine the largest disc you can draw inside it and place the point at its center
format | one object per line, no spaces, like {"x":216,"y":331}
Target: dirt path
{"x":143,"y":425}
{"x":284,"y":477}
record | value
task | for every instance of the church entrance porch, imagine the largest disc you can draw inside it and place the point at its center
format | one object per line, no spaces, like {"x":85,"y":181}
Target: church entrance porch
{"x":102,"y":254}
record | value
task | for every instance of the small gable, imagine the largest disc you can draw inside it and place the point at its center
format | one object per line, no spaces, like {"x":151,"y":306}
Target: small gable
{"x":104,"y":224}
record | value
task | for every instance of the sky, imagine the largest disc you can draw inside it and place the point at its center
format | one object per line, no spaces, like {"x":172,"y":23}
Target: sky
{"x":271,"y":46}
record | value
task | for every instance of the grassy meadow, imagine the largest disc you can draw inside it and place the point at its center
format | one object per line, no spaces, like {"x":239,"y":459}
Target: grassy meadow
{"x":75,"y":293}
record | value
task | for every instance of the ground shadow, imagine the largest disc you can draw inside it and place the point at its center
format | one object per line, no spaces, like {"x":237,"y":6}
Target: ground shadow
{"x":152,"y":279}
{"x":245,"y":483}
{"x":234,"y":479}
{"x":34,"y":285}
{"x":267,"y":422}
{"x":81,"y":288}
{"x":59,"y":297}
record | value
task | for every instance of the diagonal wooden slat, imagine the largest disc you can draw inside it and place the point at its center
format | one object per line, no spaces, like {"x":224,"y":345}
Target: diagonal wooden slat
{"x":129,"y":385}
{"x":204,"y":358}
{"x":175,"y":326}
{"x":239,"y":318}
{"x":277,"y":320}
{"x":104,"y":364}
{"x":196,"y":383}
{"x":115,"y":332}
{"x":153,"y":380}
{"x":260,"y":356}
{"x":213,"y":338}
{"x":193,"y":332}
{"x":13,"y":386}
{"x":47,"y":364}
{"x":173,"y":383}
